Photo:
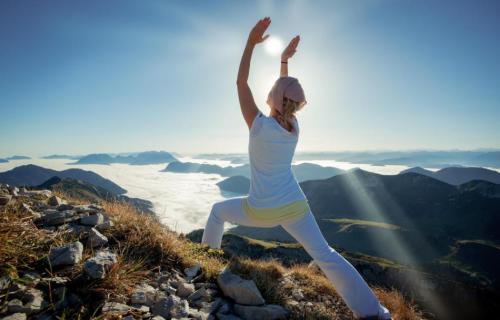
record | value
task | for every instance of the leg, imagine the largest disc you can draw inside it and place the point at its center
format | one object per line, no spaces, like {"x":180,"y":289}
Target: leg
{"x":348,"y":282}
{"x":228,"y":210}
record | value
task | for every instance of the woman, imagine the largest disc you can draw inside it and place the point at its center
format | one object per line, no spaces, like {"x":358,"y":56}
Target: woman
{"x":275,"y":197}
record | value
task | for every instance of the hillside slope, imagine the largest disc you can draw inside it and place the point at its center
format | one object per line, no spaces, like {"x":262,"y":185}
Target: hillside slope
{"x":71,"y":260}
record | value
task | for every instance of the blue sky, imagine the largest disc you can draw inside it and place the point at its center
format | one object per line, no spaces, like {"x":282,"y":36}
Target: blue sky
{"x":116,"y":76}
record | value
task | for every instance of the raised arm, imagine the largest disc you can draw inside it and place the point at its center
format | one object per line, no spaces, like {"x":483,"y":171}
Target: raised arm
{"x":287,"y":54}
{"x":248,"y":107}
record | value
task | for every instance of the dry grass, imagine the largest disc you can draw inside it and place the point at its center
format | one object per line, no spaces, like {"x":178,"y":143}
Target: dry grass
{"x":120,"y":280}
{"x":399,"y":307}
{"x":141,"y":236}
{"x":22,"y":243}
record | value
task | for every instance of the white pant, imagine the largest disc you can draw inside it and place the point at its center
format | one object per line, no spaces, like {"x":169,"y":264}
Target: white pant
{"x":348,"y":282}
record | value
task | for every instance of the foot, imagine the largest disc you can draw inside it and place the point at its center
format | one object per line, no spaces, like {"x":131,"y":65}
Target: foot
{"x":383,"y":314}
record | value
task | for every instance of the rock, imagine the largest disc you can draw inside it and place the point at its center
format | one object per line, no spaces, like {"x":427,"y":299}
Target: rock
{"x":54,"y":201}
{"x":108,"y":223}
{"x":64,"y":207}
{"x":144,"y":294}
{"x":128,"y":318}
{"x":198,"y":315}
{"x":115,"y":308}
{"x":96,"y":239}
{"x":193,"y":271}
{"x":198,"y":294}
{"x":240,"y":290}
{"x":16,"y":316}
{"x":171,"y":306}
{"x":297,"y":294}
{"x":96,"y":266}
{"x":184,"y":289}
{"x":66,"y":255}
{"x":85,"y":208}
{"x":220,"y":305}
{"x":92,"y":220}
{"x":15,"y":305}
{"x":29,"y":301}
{"x":58,"y":217}
{"x":268,"y":312}
{"x":77,"y":229}
{"x":5,"y":199}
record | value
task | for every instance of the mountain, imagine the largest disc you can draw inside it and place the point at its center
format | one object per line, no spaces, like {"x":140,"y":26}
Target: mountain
{"x":18,"y":158}
{"x":423,"y":158}
{"x":141,"y":158}
{"x":61,"y":156}
{"x":302,"y":172}
{"x":32,"y":175}
{"x":485,"y":188}
{"x":459,"y":175}
{"x":83,"y":260}
{"x":392,"y":216}
{"x":85,"y":191}
{"x":236,"y":184}
{"x":96,"y":158}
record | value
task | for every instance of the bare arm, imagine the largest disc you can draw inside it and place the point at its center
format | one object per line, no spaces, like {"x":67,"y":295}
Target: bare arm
{"x":287,"y":54}
{"x":248,"y":107}
{"x":284,"y":68}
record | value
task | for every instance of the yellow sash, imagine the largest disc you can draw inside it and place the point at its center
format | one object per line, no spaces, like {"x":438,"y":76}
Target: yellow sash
{"x":275,"y":215}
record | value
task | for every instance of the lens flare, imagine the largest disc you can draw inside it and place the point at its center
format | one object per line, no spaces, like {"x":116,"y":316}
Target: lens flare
{"x":274,"y":46}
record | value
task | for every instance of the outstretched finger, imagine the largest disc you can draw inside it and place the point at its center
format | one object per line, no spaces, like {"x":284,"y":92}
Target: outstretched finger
{"x":264,"y":37}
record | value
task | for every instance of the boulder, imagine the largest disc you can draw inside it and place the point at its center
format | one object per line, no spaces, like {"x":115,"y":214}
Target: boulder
{"x":97,"y":266}
{"x":268,"y":311}
{"x":192,"y":271}
{"x":66,"y":255}
{"x":92,"y":220}
{"x":96,"y":239}
{"x":144,"y":294}
{"x":198,"y":315}
{"x":240,"y":290}
{"x":64,"y":206}
{"x":184,"y":289}
{"x":56,"y":218}
{"x":222,"y":316}
{"x":108,"y":223}
{"x":115,"y":308}
{"x":54,"y":201}
{"x":171,"y":307}
{"x":28,"y":302}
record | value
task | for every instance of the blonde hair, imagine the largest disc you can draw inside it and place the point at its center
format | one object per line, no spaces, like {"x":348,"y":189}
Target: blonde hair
{"x":290,"y":107}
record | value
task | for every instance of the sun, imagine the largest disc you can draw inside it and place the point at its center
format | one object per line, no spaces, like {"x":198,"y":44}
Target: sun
{"x":274,"y":46}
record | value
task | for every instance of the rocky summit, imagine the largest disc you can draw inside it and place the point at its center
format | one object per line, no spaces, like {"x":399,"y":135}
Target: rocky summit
{"x":66,"y":258}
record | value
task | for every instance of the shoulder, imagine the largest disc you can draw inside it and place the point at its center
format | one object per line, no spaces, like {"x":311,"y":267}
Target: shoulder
{"x":257,"y":122}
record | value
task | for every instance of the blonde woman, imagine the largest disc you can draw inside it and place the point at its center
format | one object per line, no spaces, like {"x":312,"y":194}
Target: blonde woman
{"x":275,"y":197}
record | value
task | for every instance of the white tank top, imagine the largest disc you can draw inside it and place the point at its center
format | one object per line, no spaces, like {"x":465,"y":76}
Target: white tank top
{"x":271,"y":148}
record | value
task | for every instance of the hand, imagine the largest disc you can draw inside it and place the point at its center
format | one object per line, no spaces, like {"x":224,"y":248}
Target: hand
{"x":256,"y":35}
{"x":290,"y":49}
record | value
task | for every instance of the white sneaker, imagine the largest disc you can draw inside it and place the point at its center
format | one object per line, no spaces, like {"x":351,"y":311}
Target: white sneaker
{"x":383,"y":313}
